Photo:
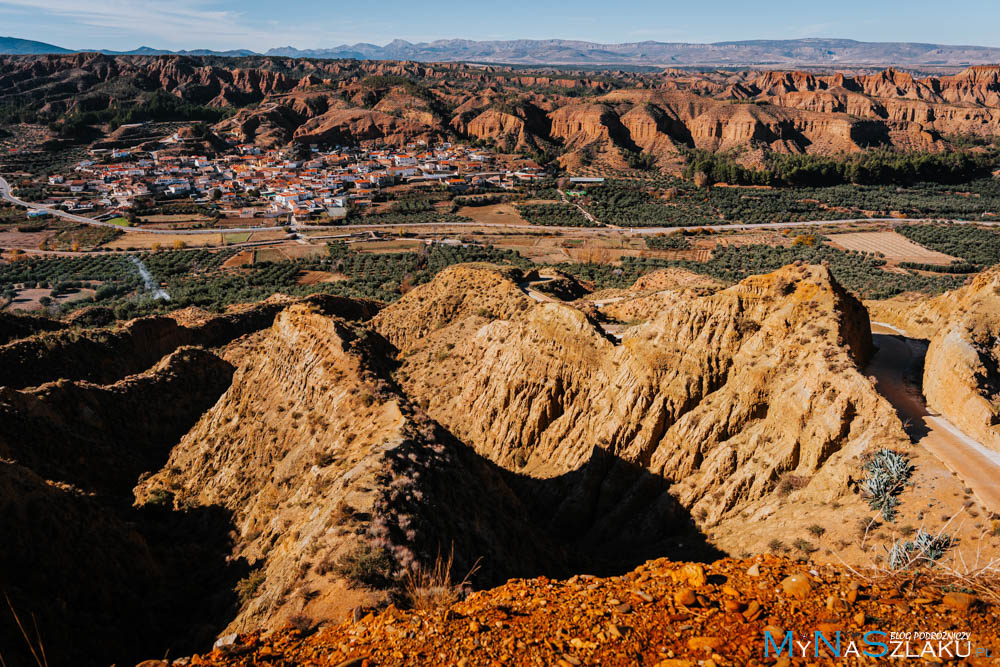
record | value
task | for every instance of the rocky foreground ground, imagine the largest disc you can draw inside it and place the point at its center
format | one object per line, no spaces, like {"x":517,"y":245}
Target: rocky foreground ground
{"x":662,"y":613}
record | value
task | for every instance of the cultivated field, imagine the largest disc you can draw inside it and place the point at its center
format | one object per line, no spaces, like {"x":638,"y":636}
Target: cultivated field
{"x":289,"y":252}
{"x":175,"y":218}
{"x":29,"y":299}
{"x":145,"y":241}
{"x":895,"y":247}
{"x":496,"y":214}
{"x":11,"y":238}
{"x":316,"y":277}
{"x":389,"y":245}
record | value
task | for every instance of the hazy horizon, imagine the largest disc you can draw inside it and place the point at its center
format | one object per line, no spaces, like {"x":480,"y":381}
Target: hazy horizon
{"x":201,"y":24}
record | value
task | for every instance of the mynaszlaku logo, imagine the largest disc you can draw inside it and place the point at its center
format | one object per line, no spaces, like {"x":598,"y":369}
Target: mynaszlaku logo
{"x":874,"y":644}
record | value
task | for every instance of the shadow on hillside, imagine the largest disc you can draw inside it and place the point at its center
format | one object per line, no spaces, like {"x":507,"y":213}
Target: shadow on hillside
{"x":102,"y":438}
{"x":898,"y":365}
{"x":604,"y":518}
{"x":611,"y":515}
{"x":114,"y":586}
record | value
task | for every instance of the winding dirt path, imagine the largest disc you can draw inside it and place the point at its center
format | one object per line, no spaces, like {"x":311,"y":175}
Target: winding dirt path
{"x":899,"y":356}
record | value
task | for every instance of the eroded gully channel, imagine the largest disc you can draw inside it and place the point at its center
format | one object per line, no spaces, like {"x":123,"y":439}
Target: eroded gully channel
{"x":897,"y":365}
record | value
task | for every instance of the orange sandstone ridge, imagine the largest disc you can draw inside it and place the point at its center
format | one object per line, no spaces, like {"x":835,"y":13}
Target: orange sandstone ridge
{"x":279,"y":100}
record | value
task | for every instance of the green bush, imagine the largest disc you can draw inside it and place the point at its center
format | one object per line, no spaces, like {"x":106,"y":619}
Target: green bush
{"x":246,"y":588}
{"x":367,"y":565}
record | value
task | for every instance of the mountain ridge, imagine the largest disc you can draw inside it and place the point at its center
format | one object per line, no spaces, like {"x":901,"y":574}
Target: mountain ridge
{"x":812,"y":50}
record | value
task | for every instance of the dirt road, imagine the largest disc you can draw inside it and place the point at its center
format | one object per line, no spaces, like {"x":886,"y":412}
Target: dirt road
{"x":899,"y":358}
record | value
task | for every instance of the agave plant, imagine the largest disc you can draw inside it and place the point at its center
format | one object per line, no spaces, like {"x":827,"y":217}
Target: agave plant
{"x":886,"y":504}
{"x":899,"y":554}
{"x":929,"y":546}
{"x":885,"y":473}
{"x":923,"y":546}
{"x":875,"y":486}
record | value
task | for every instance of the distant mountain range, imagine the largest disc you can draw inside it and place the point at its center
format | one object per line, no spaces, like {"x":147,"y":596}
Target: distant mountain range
{"x":26,"y":47}
{"x":570,"y":52}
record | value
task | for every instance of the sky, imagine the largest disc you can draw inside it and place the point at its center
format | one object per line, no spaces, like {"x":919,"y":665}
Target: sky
{"x":259,"y":25}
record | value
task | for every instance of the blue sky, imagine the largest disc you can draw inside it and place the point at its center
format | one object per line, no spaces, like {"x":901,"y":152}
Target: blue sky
{"x":259,"y":25}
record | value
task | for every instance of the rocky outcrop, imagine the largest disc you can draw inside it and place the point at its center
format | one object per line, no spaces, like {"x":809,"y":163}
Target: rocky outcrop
{"x":962,"y":366}
{"x":456,"y":293}
{"x":690,"y":395}
{"x":319,"y":457}
{"x":20,"y":326}
{"x":915,"y":314}
{"x":507,"y":130}
{"x":633,"y":619}
{"x":589,"y":119}
{"x":106,"y":355}
{"x":102,"y":438}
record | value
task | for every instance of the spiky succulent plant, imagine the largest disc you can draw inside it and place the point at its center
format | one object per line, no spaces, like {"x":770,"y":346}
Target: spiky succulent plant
{"x":886,"y":472}
{"x":923,"y":547}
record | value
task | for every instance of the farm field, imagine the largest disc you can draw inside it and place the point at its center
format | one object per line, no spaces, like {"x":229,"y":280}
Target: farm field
{"x":145,"y":241}
{"x":28,"y":300}
{"x":495,"y":214}
{"x":11,"y":238}
{"x":174,"y":218}
{"x":895,"y":247}
{"x":316,"y":277}
{"x":289,"y":252}
{"x":138,"y":240}
{"x":391,"y":245}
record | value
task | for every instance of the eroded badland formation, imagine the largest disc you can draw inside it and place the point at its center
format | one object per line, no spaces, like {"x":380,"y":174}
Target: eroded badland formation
{"x":585,"y":118}
{"x":173,"y":479}
{"x":666,"y":472}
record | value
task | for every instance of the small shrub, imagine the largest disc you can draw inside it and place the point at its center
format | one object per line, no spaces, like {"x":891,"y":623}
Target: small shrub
{"x":366,"y":565}
{"x":791,"y":483}
{"x":816,"y":530}
{"x":160,"y":498}
{"x":429,"y":588}
{"x":805,"y":546}
{"x":301,"y":622}
{"x":246,"y":588}
{"x":886,"y":473}
{"x":925,"y":548}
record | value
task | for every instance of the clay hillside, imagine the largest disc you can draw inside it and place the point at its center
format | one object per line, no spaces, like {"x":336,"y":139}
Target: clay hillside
{"x":176,"y":482}
{"x":608,"y":118}
{"x":961,"y":377}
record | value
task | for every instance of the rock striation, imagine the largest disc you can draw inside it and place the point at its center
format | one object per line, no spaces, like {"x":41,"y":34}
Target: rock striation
{"x":690,"y":395}
{"x":585,"y":119}
{"x":962,"y":366}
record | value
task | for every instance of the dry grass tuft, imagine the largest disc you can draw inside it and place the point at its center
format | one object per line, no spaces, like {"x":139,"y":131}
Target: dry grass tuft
{"x":35,"y":645}
{"x":428,"y":588}
{"x":956,"y":571}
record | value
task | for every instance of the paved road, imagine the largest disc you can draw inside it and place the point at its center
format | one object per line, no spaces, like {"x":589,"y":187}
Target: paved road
{"x":5,"y":194}
{"x":430,"y":227}
{"x":976,"y":465}
{"x":640,"y":230}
